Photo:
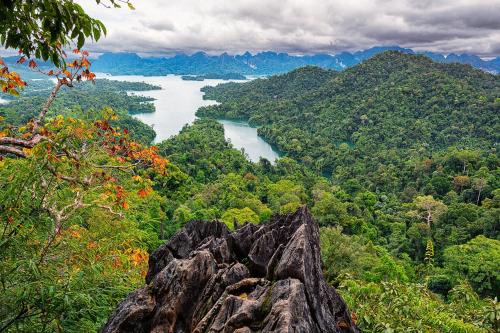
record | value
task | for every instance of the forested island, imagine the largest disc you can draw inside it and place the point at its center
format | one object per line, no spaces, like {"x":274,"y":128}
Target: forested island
{"x":214,"y":76}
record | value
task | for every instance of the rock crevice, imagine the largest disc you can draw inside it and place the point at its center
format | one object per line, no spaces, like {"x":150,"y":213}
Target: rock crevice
{"x":259,"y":278}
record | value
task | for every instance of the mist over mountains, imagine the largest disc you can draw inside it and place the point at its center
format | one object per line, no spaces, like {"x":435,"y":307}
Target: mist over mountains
{"x":263,"y":63}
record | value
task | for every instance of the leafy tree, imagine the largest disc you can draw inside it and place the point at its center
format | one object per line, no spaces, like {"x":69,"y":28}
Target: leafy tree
{"x":460,"y":223}
{"x":234,"y":217}
{"x":357,"y":257}
{"x":463,"y":158}
{"x":399,"y":307}
{"x":477,"y":260}
{"x":54,"y":242}
{"x":428,"y":209}
{"x":43,"y":28}
{"x":285,"y":196}
{"x":441,"y":184}
{"x":330,"y":211}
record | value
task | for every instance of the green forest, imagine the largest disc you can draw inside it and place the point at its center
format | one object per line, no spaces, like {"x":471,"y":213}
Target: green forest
{"x":396,"y":158}
{"x":409,"y":235}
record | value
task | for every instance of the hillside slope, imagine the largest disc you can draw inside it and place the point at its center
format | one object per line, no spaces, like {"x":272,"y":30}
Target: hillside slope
{"x":392,"y":104}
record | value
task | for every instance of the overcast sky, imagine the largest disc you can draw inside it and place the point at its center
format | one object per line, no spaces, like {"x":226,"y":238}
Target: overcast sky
{"x":299,"y":26}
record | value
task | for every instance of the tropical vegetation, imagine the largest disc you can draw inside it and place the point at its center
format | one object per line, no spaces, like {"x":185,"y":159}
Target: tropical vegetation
{"x":396,"y":158}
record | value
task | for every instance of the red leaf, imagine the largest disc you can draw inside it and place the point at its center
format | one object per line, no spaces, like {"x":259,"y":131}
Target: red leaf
{"x":143,"y":192}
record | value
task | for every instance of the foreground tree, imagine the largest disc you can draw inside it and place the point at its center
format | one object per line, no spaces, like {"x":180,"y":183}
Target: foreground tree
{"x":43,"y":28}
{"x":66,"y":185}
{"x":84,"y":182}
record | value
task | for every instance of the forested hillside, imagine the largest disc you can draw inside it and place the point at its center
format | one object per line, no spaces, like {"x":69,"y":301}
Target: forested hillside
{"x":86,"y":100}
{"x":379,"y":114}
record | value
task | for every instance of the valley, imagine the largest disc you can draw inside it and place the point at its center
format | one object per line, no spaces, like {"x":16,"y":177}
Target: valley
{"x":176,"y":104}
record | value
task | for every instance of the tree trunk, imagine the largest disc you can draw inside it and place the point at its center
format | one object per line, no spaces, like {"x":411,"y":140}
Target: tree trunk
{"x":429,"y":220}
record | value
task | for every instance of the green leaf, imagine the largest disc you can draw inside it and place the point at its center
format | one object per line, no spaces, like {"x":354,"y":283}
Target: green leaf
{"x":81,"y":41}
{"x":74,"y":33}
{"x":97,"y":33}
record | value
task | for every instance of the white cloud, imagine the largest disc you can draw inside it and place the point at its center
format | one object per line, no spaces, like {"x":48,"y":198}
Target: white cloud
{"x":299,"y":26}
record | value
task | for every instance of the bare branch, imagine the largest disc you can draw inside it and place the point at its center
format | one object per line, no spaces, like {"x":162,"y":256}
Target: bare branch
{"x":20,"y":142}
{"x":47,"y":105}
{"x":108,"y":166}
{"x":109,"y":209}
{"x":10,"y":145}
{"x":85,"y":181}
{"x":12,"y":150}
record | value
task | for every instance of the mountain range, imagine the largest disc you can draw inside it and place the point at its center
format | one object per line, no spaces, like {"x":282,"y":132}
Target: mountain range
{"x":263,"y":63}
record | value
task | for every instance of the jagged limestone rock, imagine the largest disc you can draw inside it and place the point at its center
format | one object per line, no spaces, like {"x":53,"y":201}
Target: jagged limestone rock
{"x":259,"y":278}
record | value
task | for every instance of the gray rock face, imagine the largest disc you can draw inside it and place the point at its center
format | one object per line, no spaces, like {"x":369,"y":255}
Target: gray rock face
{"x":264,"y":278}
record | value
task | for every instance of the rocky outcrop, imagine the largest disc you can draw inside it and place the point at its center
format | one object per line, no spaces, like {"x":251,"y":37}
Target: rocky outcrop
{"x":259,"y":278}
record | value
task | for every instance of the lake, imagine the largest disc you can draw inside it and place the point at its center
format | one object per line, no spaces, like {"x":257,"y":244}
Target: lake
{"x":176,"y":104}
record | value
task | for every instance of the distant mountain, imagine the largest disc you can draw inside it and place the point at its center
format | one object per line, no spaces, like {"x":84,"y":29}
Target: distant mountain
{"x":263,"y":63}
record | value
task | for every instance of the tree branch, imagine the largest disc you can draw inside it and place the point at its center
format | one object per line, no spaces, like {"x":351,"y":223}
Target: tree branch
{"x":7,"y":140}
{"x":109,"y":209}
{"x":47,"y":105}
{"x":86,"y":181}
{"x":10,"y":145}
{"x":12,"y":150}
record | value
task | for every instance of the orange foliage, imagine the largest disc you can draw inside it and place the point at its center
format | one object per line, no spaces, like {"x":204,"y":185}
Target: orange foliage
{"x":144,"y":192}
{"x":10,"y":81}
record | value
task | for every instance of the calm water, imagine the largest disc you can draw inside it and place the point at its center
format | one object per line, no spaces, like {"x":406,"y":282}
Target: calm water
{"x":241,"y":135}
{"x":176,"y":104}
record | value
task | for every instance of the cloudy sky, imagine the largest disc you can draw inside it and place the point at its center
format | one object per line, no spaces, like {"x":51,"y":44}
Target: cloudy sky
{"x":159,"y":27}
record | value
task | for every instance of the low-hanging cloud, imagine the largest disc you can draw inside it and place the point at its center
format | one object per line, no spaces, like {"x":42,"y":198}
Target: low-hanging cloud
{"x":299,"y":26}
